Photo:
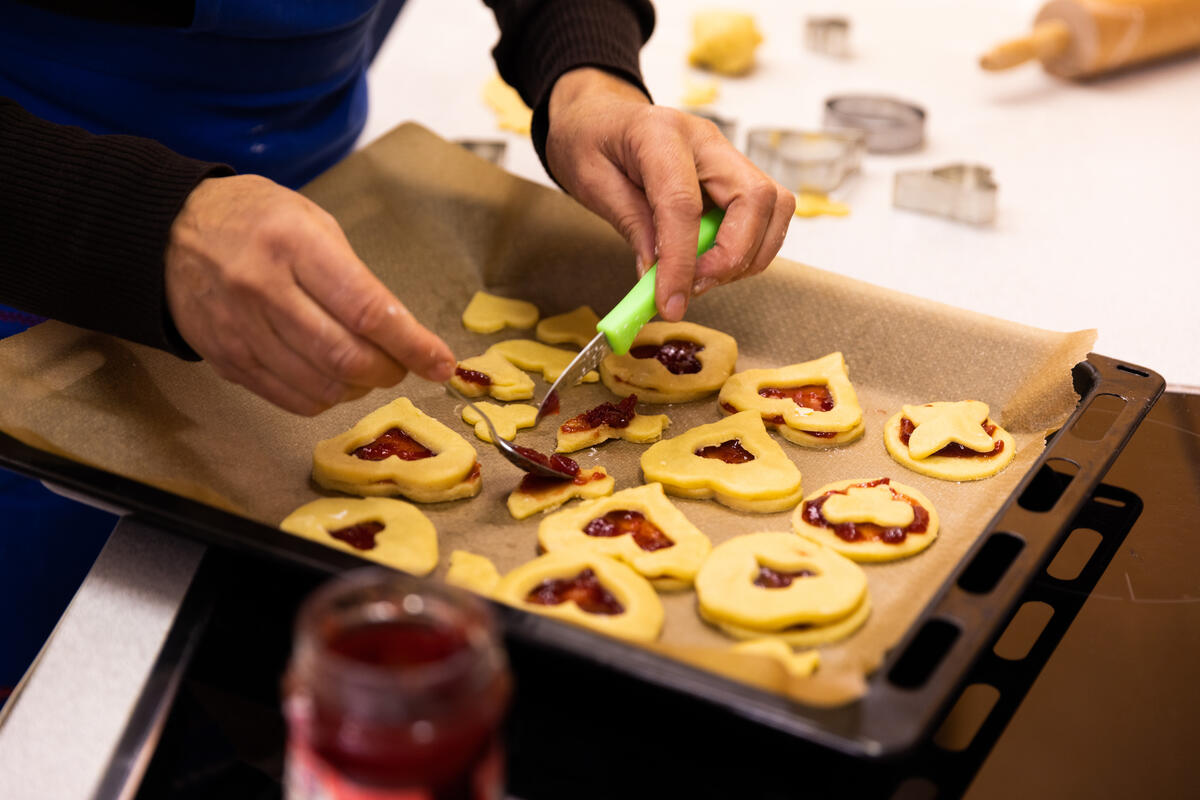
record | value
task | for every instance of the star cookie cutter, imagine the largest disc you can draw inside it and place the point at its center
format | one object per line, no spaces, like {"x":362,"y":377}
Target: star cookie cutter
{"x":828,"y":35}
{"x":963,"y":192}
{"x":806,"y":161}
{"x":492,"y":150}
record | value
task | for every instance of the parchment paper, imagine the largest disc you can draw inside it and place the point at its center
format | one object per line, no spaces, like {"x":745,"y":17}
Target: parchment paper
{"x":437,"y":223}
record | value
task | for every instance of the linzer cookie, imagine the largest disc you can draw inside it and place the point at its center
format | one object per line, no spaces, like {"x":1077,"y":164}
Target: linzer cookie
{"x":671,"y":362}
{"x":540,"y":493}
{"x":491,"y":374}
{"x":812,"y":404}
{"x":398,"y":450}
{"x":868,"y":520}
{"x":387,"y":531}
{"x":610,"y":421}
{"x":950,"y":441}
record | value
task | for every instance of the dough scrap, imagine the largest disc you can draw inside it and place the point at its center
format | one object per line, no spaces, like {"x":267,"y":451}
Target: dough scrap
{"x":472,"y":572}
{"x":724,"y":41}
{"x":885,"y":505}
{"x":770,"y":482}
{"x":537,"y":357}
{"x":451,"y":473}
{"x":797,"y":665}
{"x":653,"y":382}
{"x":508,"y":382}
{"x":488,"y":313}
{"x":511,"y":112}
{"x":669,"y":568}
{"x":577,"y":327}
{"x":816,"y":204}
{"x":507,"y":418}
{"x":407,"y":541}
{"x":942,"y":424}
{"x":594,"y":482}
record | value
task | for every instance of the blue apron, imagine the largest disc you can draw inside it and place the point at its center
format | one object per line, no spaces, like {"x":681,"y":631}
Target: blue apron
{"x":268,"y":87}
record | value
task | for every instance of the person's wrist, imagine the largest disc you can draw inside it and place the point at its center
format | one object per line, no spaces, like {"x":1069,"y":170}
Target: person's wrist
{"x":582,"y":82}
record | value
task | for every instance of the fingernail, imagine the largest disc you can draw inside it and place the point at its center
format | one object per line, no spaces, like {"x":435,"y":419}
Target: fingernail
{"x":442,"y":371}
{"x":676,"y":305}
{"x":639,"y":265}
{"x":703,"y":285}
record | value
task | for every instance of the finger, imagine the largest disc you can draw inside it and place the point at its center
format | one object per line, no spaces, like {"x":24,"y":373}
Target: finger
{"x":781,"y":219}
{"x":603,"y":188}
{"x":252,"y":376}
{"x":673,"y":193}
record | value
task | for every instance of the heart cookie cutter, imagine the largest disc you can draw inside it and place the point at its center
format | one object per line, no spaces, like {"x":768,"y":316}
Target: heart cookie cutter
{"x":963,"y":192}
{"x":806,"y":161}
{"x":828,"y":35}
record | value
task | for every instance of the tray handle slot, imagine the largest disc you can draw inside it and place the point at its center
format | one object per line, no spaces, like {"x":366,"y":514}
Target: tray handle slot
{"x":924,"y":652}
{"x":1048,"y":484}
{"x":990,"y":563}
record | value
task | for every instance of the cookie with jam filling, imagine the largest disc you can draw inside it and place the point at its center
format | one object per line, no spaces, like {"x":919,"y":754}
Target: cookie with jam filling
{"x":381,"y":529}
{"x":671,"y":362}
{"x":868,"y":519}
{"x":610,"y":421}
{"x":491,"y":374}
{"x":951,"y":441}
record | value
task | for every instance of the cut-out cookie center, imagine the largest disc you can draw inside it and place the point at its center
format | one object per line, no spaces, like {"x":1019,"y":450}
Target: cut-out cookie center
{"x":473,"y":376}
{"x":729,"y":451}
{"x":769,"y":578}
{"x":677,"y":355}
{"x":393,"y":442}
{"x":954,"y":449}
{"x":585,"y":590}
{"x":614,"y":416}
{"x":360,"y":536}
{"x":646,"y":534}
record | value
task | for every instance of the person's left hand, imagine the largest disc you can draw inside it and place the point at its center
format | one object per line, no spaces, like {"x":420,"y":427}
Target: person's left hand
{"x":646,"y":169}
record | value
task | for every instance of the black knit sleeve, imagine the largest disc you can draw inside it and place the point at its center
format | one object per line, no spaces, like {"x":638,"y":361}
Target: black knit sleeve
{"x":542,"y":39}
{"x":84,"y":223}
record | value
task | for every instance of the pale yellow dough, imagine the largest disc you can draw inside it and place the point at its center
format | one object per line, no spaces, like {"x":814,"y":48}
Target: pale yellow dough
{"x":844,"y":420}
{"x":879,"y":505}
{"x":511,"y":112}
{"x":537,"y":357}
{"x":940,"y":424}
{"x":473,"y":572}
{"x":522,"y":504}
{"x":802,"y":636}
{"x":450,"y":474}
{"x":770,"y":482}
{"x":797,"y":665}
{"x":670,"y":568}
{"x":507,"y":419}
{"x":576,"y":327}
{"x":654,"y":383}
{"x":487,"y":313}
{"x":641,"y":619}
{"x":642,"y":429}
{"x":816,"y":204}
{"x":508,"y":382}
{"x":724,"y":41}
{"x":407,"y":541}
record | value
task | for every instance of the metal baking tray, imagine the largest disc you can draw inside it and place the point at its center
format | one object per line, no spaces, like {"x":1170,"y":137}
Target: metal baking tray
{"x":919,"y":678}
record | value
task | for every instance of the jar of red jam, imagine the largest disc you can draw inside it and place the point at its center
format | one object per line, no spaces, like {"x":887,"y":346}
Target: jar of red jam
{"x":396,"y":689}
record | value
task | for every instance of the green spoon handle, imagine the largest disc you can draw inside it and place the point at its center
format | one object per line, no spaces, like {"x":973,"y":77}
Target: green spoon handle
{"x":622,"y":324}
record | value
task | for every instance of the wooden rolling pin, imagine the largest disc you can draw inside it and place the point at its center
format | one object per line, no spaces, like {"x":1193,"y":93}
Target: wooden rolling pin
{"x":1081,"y":38}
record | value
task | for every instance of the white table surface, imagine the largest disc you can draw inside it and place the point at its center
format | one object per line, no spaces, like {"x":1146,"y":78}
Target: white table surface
{"x":1098,"y":221}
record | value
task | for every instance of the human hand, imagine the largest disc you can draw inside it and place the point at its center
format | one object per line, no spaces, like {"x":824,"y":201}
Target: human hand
{"x":263,"y":284}
{"x":646,"y":169}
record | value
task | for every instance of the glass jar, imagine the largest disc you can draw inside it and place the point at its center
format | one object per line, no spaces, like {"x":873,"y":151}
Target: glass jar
{"x":396,"y":689}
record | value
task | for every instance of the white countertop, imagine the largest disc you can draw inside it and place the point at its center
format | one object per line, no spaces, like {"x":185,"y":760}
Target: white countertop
{"x":1098,"y":221}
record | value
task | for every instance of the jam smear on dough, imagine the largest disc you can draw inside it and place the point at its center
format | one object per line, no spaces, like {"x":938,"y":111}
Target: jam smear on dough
{"x":532,"y":484}
{"x":677,"y":355}
{"x":360,"y":536}
{"x":954,"y":449}
{"x":646,"y":534}
{"x":729,"y":451}
{"x":773,"y":579}
{"x":473,"y":376}
{"x":393,"y":442}
{"x":866,"y":531}
{"x":777,"y":419}
{"x":814,"y":395}
{"x":614,"y":416}
{"x":584,"y":589}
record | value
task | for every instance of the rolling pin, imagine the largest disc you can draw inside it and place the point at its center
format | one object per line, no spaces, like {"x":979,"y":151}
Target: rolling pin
{"x":1082,"y":38}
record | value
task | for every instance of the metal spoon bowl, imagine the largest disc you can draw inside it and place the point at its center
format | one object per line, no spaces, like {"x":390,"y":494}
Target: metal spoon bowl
{"x":506,"y":447}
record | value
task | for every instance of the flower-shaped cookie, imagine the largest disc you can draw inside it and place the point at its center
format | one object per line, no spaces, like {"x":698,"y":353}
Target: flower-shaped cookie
{"x":491,"y":373}
{"x":588,"y":589}
{"x":487,"y":313}
{"x":398,"y":450}
{"x":812,"y":403}
{"x":537,"y":357}
{"x":671,"y":362}
{"x":574,"y":327}
{"x":610,"y":421}
{"x":781,"y":585}
{"x":507,"y":419}
{"x":381,"y":529}
{"x":535,"y":493}
{"x":951,"y":441}
{"x":868,"y":520}
{"x":638,"y":526}
{"x":734,"y":460}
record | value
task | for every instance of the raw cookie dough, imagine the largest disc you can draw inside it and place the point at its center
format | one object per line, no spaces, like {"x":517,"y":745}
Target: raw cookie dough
{"x":537,"y":357}
{"x":473,"y":572}
{"x":780,"y":584}
{"x":698,"y":372}
{"x":797,"y":665}
{"x":551,"y":494}
{"x":801,"y":635}
{"x":724,"y":41}
{"x":511,"y":112}
{"x":604,"y":422}
{"x":576,"y":327}
{"x":868,"y":520}
{"x":826,"y":414}
{"x":387,"y":531}
{"x":950,"y":441}
{"x":622,"y":603}
{"x":487,"y":313}
{"x":442,"y":464}
{"x":507,"y":419}
{"x":503,"y":380}
{"x":668,"y":551}
{"x":767,"y":482}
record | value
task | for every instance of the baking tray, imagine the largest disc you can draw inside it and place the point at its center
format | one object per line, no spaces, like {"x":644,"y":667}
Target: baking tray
{"x":906,"y":696}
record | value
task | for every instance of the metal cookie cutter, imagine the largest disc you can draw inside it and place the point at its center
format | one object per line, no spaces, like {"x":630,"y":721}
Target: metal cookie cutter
{"x":726,"y":126}
{"x":891,"y":125}
{"x":963,"y":192}
{"x":806,"y":161}
{"x":488,"y":149}
{"x":828,"y":35}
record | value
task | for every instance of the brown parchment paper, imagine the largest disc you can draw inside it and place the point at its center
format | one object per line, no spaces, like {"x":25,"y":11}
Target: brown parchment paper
{"x":436,"y":224}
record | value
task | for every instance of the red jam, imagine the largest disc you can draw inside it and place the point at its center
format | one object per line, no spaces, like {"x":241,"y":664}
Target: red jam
{"x":777,"y":419}
{"x":867,"y":531}
{"x":954,"y":449}
{"x":549,"y":405}
{"x":614,"y":416}
{"x":585,"y":590}
{"x":360,"y":536}
{"x":731,"y":452}
{"x":471,"y":376}
{"x":677,"y":355}
{"x":772,"y":579}
{"x":394,"y":442}
{"x":814,"y":396}
{"x":646,"y":534}
{"x":532,"y":484}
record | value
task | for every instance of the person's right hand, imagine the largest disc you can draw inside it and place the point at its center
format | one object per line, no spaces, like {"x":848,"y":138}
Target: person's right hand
{"x":262,"y":283}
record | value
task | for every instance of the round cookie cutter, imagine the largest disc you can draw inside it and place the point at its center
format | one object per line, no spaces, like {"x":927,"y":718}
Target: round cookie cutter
{"x":890,"y":125}
{"x":806,"y":161}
